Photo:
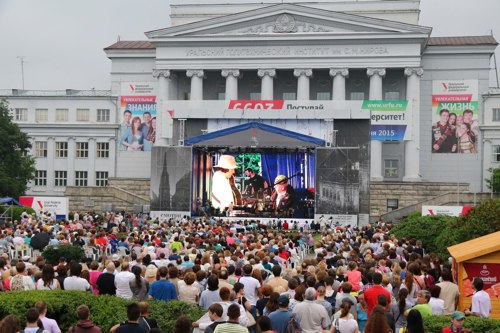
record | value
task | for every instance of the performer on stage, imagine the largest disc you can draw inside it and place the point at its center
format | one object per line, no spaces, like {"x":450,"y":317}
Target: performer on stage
{"x":222,"y":192}
{"x":282,"y":196}
{"x":256,"y":185}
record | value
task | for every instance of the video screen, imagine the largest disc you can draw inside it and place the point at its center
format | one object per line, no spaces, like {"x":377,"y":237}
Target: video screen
{"x":254,"y":184}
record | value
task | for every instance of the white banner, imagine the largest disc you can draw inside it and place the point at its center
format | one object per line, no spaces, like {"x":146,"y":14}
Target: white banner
{"x":166,"y":215}
{"x":445,"y":210}
{"x":56,"y":205}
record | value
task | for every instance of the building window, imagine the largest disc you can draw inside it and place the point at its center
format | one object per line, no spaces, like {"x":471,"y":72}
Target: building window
{"x":101,"y":178}
{"x":81,"y":178}
{"x":221,"y":96}
{"x":61,"y":178}
{"x":391,"y":168}
{"x":40,"y":148}
{"x":102,"y":149}
{"x":41,"y":115}
{"x":61,"y":149}
{"x":392,"y":95}
{"x":20,"y":114}
{"x":496,"y":114}
{"x":103,"y":115}
{"x":323,"y":96}
{"x":41,"y":178}
{"x":289,"y":96}
{"x":392,"y":204}
{"x":357,"y":96}
{"x":82,"y":114}
{"x":496,"y":153}
{"x":255,"y":96}
{"x":82,"y":149}
{"x":61,"y":114}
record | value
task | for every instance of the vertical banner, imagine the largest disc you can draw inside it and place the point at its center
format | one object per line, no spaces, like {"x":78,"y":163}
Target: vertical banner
{"x":455,"y":115}
{"x":389,"y":119}
{"x":489,"y":273}
{"x":138,"y":116}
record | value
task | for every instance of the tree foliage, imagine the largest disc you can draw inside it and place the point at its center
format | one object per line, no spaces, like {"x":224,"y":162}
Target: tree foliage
{"x":17,"y":167}
{"x":439,"y":232}
{"x":493,"y":182}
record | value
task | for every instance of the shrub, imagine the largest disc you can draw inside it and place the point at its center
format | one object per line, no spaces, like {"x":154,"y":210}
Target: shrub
{"x":482,"y":220}
{"x":106,"y":311}
{"x":16,"y":211}
{"x":52,"y":253}
{"x":478,"y":325}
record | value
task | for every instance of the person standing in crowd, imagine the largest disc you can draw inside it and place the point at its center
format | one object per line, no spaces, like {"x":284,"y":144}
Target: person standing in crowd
{"x":122,"y":281}
{"x":21,"y":281}
{"x":281,"y":317}
{"x":457,"y":322}
{"x":414,"y":323}
{"x":48,"y":280}
{"x":449,"y":292}
{"x":252,"y":288}
{"x":84,"y":324}
{"x":371,"y":294}
{"x":211,"y":294}
{"x":138,"y":285}
{"x":74,"y":281}
{"x":232,"y":325}
{"x":423,"y":298}
{"x":132,"y":323}
{"x":106,"y":281}
{"x":377,"y":321}
{"x":32,"y":318}
{"x":10,"y":324}
{"x":481,"y":302}
{"x":48,"y":324}
{"x":345,"y":323}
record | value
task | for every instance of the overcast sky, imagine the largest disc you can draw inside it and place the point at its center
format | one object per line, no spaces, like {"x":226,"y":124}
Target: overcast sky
{"x":62,"y":41}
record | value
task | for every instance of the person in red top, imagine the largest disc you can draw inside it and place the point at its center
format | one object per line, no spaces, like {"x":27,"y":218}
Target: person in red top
{"x":285,"y":225}
{"x":371,"y":294}
{"x":457,"y":321}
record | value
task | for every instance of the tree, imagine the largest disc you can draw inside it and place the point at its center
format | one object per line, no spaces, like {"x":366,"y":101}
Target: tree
{"x":493,"y":182}
{"x":17,"y":167}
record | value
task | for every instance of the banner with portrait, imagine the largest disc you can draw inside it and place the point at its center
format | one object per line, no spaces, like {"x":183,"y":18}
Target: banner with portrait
{"x":137,"y":116}
{"x":455,"y":114}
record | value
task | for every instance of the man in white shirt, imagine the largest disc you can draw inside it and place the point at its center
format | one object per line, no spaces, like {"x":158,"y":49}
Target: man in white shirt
{"x":75,"y":282}
{"x":252,"y":286}
{"x":122,"y":280}
{"x":481,"y":302}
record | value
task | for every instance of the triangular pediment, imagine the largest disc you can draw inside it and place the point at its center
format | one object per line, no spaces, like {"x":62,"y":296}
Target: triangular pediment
{"x":287,"y":19}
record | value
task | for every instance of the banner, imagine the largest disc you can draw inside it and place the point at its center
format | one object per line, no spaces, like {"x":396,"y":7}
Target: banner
{"x":455,"y":114}
{"x":138,"y":111}
{"x":445,"y":210}
{"x":489,"y":273}
{"x":54,"y":205}
{"x":390,"y":120}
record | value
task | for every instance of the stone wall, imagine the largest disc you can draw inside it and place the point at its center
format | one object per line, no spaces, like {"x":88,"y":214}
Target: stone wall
{"x":407,"y":193}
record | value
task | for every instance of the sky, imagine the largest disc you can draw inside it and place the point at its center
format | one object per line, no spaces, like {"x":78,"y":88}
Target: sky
{"x":62,"y":42}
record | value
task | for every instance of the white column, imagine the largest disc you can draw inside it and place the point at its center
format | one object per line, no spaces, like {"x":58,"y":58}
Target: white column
{"x":91,"y":168}
{"x":70,"y":180}
{"x":412,"y":147}
{"x":164,"y":121}
{"x":266,"y":89}
{"x":112,"y":152}
{"x":303,"y":78}
{"x":196,"y":76}
{"x":51,"y":153}
{"x":231,"y":76}
{"x":376,"y":75}
{"x":338,"y":90}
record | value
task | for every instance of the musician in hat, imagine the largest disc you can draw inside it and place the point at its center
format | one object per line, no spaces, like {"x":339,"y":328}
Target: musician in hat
{"x":282,"y":196}
{"x":222,"y":193}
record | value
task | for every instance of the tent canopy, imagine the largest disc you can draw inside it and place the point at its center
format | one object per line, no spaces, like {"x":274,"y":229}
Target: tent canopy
{"x":9,"y":202}
{"x":255,"y":135}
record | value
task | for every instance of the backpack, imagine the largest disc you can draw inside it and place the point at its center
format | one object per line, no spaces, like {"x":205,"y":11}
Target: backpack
{"x":293,"y":325}
{"x":429,"y":281}
{"x":332,"y":299}
{"x":17,"y":283}
{"x":39,"y":330}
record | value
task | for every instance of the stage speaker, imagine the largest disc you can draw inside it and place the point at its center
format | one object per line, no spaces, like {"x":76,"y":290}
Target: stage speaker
{"x":328,"y":144}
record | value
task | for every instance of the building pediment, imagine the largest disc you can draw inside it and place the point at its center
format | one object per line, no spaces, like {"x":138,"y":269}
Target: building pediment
{"x":286,"y":20}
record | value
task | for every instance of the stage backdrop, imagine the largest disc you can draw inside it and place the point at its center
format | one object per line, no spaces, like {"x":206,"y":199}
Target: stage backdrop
{"x":343,"y":173}
{"x":171,"y":181}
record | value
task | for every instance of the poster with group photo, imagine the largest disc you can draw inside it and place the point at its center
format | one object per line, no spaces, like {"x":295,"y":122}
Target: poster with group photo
{"x":138,"y":116}
{"x":455,"y":128}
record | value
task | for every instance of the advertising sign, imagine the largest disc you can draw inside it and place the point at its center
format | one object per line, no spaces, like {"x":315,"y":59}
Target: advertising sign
{"x":489,"y":273}
{"x":455,"y":114}
{"x":389,"y":120}
{"x":56,"y":205}
{"x":445,"y":210}
{"x":138,"y":116}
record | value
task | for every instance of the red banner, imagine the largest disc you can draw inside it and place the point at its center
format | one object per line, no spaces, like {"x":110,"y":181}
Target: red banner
{"x":489,"y":273}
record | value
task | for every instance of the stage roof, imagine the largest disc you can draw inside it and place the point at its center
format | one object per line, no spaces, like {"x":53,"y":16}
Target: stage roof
{"x":255,"y":135}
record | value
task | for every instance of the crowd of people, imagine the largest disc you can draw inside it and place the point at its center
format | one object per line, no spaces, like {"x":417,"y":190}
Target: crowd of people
{"x":248,"y":275}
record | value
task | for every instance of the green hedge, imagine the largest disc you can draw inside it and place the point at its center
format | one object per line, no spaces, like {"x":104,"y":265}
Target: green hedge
{"x":435,"y":324}
{"x":105,"y":310}
{"x":16,"y":211}
{"x":52,"y":253}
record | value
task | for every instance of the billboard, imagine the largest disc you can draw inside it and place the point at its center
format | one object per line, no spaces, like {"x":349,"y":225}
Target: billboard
{"x":55,"y":205}
{"x":138,"y":116}
{"x":455,"y":112}
{"x":445,"y":210}
{"x":389,"y":119}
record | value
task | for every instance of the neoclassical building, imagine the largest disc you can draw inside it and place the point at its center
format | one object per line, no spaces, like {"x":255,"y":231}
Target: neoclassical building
{"x":309,"y":68}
